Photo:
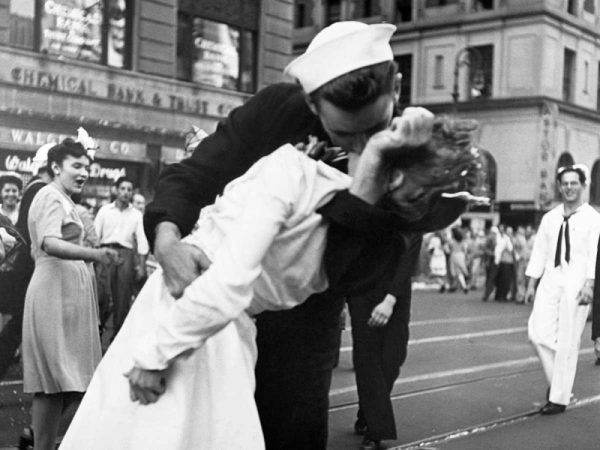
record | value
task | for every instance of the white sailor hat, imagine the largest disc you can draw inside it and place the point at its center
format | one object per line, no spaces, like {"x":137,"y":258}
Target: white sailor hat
{"x":341,"y":48}
{"x":41,"y":155}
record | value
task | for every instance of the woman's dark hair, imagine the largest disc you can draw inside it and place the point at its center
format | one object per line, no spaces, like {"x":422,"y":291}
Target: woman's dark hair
{"x":59,"y":153}
{"x":457,"y":234}
{"x":358,"y":88}
{"x":448,"y":163}
{"x":11,"y":179}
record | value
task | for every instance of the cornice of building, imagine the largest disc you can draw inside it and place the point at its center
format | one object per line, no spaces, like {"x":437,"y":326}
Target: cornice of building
{"x":499,"y":18}
{"x":493,"y":104}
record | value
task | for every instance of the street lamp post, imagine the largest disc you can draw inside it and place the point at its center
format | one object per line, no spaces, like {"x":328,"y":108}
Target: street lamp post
{"x":470,"y":57}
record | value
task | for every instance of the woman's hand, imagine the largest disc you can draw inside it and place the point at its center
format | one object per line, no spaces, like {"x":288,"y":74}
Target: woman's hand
{"x":146,"y":386}
{"x":107,"y":256}
{"x":412,"y":129}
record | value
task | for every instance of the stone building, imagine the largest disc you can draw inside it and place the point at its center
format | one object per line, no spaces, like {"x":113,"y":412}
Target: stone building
{"x":135,"y":73}
{"x":528,"y":70}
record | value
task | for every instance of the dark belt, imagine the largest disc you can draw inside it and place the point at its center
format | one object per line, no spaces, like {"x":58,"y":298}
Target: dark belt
{"x":115,"y":246}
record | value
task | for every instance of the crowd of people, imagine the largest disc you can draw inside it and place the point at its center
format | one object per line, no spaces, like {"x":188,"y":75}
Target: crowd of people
{"x":231,"y":342}
{"x":494,"y":260}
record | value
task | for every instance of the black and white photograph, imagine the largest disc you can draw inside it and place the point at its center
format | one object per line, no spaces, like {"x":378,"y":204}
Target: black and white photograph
{"x":299,"y":224}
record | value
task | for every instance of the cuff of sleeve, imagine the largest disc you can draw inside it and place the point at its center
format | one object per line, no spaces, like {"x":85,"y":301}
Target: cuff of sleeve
{"x":151,"y":220}
{"x":147,"y":356}
{"x":358,"y":215}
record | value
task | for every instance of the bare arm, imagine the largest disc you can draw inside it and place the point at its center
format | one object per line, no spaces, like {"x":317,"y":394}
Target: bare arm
{"x":67,"y":250}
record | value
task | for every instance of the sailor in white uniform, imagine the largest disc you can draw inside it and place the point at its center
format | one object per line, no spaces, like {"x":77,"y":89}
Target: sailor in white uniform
{"x":563,"y":259}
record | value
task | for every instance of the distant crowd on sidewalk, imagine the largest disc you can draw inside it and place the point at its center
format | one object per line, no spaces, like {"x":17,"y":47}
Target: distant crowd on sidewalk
{"x":494,"y":260}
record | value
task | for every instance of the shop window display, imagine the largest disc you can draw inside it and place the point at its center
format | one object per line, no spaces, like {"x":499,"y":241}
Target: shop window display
{"x":85,"y":30}
{"x":221,"y":55}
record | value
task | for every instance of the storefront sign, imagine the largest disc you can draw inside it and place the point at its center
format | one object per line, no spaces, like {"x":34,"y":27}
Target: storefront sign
{"x":72,"y":29}
{"x":22,"y":163}
{"x":120,"y":89}
{"x":106,"y":148}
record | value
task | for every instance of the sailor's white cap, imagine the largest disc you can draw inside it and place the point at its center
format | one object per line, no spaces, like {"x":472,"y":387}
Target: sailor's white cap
{"x":340,"y":48}
{"x":41,"y":155}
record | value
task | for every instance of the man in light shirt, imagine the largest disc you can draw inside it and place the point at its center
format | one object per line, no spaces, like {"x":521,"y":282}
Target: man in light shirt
{"x":120,"y":226}
{"x":564,"y":260}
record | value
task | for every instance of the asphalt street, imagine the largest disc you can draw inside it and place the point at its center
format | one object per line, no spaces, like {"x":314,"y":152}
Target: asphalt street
{"x":471,"y":381}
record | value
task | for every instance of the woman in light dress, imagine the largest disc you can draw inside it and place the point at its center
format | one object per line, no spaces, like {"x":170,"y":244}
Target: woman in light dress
{"x":437,"y":260}
{"x":188,"y":365}
{"x":61,"y":346}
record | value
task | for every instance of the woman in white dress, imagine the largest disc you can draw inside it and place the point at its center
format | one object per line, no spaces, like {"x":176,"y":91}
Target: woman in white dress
{"x":190,"y":362}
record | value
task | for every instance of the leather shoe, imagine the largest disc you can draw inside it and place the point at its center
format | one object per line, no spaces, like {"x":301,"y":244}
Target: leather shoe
{"x":26,"y":439}
{"x":550,"y":409}
{"x":369,"y":444}
{"x":360,"y":427}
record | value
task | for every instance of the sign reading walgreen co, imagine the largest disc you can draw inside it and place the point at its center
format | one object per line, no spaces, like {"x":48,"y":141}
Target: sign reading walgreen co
{"x":132,"y":89}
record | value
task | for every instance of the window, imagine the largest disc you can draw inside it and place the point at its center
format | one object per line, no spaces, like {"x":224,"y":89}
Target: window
{"x":97,"y":31}
{"x":403,"y":10}
{"x":365,"y":8}
{"x":303,"y":10}
{"x":586,"y":76}
{"x":481,"y":77}
{"x":21,"y":24}
{"x":405,"y":68}
{"x":333,"y":11}
{"x":572,"y":7}
{"x":588,"y":5}
{"x":568,"y":75}
{"x":595,"y":184}
{"x":216,"y":54}
{"x":433,"y":3}
{"x":438,"y":69}
{"x":483,"y":5}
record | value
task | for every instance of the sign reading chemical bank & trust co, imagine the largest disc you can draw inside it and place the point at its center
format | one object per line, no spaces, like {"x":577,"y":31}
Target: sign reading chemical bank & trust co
{"x":130,"y":89}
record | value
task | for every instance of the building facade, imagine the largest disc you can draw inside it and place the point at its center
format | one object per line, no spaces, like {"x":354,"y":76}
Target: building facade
{"x":527,"y":70}
{"x":137,"y":74}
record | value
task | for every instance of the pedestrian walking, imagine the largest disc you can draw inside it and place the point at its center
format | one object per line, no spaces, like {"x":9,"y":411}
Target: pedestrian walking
{"x":119,"y":226}
{"x":266,"y":240}
{"x":491,"y":268}
{"x":437,"y":261}
{"x":564,"y":263}
{"x":61,"y":346}
{"x":458,"y":260}
{"x":504,"y":259}
{"x":380,"y":321}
